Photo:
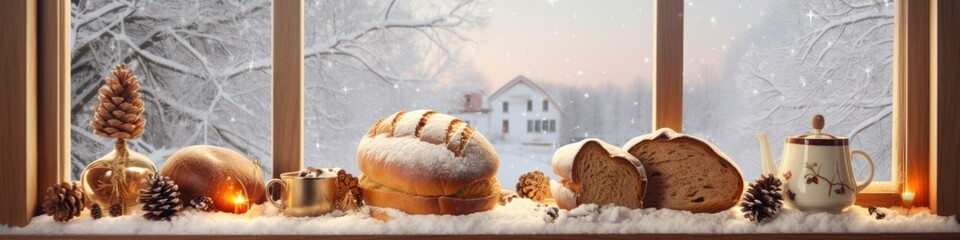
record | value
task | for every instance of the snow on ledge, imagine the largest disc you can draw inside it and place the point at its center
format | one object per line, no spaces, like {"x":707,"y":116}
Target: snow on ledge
{"x":521,"y":216}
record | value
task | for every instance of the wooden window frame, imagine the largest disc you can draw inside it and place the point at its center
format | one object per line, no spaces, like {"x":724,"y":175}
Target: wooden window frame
{"x":36,"y":106}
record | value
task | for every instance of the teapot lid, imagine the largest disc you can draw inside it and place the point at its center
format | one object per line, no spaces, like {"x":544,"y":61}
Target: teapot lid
{"x":818,"y":137}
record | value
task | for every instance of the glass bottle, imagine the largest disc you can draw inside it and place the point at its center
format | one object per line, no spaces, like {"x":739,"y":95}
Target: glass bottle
{"x":117,"y":177}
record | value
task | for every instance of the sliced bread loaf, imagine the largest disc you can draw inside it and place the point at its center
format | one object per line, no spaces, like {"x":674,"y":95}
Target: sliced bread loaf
{"x":593,"y":171}
{"x":686,"y":173}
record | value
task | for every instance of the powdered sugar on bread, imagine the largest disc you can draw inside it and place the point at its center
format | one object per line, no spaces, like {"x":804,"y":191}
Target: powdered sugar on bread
{"x":564,"y":156}
{"x":425,"y":156}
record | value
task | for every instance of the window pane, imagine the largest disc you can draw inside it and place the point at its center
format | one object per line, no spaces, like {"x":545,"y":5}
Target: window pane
{"x":589,"y":60}
{"x":769,"y":66}
{"x":204,"y":69}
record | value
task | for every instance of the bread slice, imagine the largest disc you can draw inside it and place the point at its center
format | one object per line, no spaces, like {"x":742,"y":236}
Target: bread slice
{"x":686,"y":173}
{"x":593,"y":171}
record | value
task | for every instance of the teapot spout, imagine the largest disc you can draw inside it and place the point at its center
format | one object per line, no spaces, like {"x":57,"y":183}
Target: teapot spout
{"x":766,"y":157}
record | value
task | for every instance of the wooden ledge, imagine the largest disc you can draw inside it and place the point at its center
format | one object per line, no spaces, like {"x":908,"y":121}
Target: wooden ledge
{"x":571,"y":236}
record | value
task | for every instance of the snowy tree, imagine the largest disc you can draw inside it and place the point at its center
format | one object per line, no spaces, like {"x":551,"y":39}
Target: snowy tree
{"x":205,"y":68}
{"x":196,"y":62}
{"x":814,"y":57}
{"x":370,"y":59}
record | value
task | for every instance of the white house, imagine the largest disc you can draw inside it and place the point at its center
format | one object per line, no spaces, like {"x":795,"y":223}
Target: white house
{"x":519,"y":112}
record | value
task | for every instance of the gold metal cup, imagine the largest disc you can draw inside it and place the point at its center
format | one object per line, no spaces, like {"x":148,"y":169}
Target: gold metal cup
{"x":303,"y":196}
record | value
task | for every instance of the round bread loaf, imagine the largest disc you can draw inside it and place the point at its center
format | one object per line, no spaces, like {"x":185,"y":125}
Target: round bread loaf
{"x":215,"y":172}
{"x":423,"y":162}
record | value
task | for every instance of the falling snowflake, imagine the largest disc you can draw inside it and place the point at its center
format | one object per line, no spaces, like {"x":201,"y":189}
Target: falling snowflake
{"x":586,"y":95}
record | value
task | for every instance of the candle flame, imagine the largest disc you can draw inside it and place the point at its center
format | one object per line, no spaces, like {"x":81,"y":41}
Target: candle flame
{"x":239,"y":199}
{"x":908,"y":195}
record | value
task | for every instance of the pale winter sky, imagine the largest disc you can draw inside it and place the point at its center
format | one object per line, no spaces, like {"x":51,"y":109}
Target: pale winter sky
{"x":596,"y":42}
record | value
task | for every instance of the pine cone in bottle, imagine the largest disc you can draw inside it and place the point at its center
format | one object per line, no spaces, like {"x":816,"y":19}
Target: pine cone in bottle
{"x":63,"y":201}
{"x":119,"y":113}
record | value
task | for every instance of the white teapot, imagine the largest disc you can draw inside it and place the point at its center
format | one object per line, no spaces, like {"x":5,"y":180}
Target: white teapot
{"x":817,"y":170}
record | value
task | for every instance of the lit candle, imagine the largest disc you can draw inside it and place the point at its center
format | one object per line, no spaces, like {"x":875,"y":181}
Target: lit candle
{"x":907,"y":200}
{"x":239,"y":204}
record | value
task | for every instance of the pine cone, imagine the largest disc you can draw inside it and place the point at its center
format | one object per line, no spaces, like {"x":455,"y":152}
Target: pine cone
{"x":118,"y":114}
{"x":116,"y":210}
{"x":63,"y":201}
{"x":95,"y":211}
{"x":763,"y":199}
{"x":202,"y":203}
{"x":534,"y":185}
{"x":349,"y":195}
{"x":160,"y":199}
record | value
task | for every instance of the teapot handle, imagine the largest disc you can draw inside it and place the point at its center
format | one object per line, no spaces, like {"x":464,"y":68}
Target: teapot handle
{"x":864,"y":184}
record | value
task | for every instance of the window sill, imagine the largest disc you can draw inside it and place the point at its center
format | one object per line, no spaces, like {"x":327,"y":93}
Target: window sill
{"x":565,"y":236}
{"x":518,"y":218}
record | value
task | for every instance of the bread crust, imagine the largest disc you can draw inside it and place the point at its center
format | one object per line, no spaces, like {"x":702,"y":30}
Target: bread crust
{"x":414,"y":204}
{"x":668,"y":135}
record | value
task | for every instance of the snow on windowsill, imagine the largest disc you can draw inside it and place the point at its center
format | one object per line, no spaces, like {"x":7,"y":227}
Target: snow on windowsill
{"x":521,"y":216}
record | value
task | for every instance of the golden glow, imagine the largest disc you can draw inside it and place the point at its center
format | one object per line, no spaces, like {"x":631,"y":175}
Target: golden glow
{"x":239,"y":204}
{"x":240,"y":200}
{"x":907,"y":199}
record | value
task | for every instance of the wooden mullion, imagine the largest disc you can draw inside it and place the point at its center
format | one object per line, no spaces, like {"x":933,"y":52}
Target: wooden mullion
{"x":287,"y":86}
{"x":53,"y":157}
{"x":911,"y":98}
{"x":668,"y":65}
{"x":917,"y":100}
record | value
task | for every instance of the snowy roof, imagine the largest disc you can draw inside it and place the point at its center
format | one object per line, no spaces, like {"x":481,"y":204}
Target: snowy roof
{"x":520,"y":79}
